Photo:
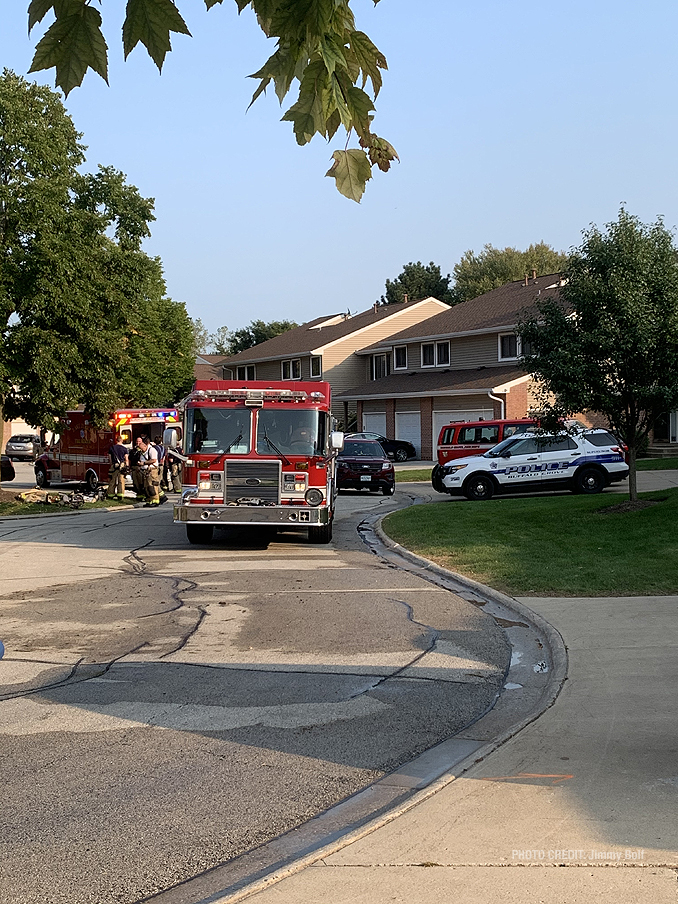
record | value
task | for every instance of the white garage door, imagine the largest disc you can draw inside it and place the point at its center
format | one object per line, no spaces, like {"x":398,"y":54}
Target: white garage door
{"x":442,"y":418}
{"x":408,"y":427}
{"x":374,"y":422}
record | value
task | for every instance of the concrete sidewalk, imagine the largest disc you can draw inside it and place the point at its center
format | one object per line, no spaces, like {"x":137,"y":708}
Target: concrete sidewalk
{"x":591,"y":786}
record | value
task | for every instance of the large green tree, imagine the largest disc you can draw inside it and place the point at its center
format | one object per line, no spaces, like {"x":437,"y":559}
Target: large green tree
{"x":476,"y":274}
{"x":258,"y":331}
{"x":318,"y":49}
{"x":609,"y":344}
{"x":82,"y":307}
{"x":418,"y":281}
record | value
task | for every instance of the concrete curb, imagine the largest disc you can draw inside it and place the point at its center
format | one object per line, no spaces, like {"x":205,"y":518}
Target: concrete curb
{"x":402,"y":790}
{"x":556,"y":644}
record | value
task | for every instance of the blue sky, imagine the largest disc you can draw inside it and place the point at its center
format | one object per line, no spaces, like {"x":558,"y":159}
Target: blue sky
{"x":515,"y":122}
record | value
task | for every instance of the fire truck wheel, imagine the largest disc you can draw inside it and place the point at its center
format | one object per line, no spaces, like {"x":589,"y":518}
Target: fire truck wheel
{"x":41,"y":478}
{"x":199,"y":533}
{"x":322,"y":534}
{"x":91,"y":482}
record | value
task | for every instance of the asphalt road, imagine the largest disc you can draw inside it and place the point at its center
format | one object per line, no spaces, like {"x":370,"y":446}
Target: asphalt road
{"x":164,"y":708}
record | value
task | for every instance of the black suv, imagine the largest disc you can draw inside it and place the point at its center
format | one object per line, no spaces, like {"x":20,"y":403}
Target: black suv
{"x":363,"y":464}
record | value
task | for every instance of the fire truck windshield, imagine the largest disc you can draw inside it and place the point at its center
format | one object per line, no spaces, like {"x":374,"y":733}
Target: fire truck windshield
{"x":290,"y":431}
{"x":215,"y":431}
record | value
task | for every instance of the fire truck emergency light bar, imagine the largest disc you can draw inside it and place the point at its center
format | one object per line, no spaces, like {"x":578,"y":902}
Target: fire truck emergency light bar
{"x":255,"y":397}
{"x":124,"y":417}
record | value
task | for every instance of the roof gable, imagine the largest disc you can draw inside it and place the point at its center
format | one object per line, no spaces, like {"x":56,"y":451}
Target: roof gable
{"x":312,"y":337}
{"x":497,"y":309}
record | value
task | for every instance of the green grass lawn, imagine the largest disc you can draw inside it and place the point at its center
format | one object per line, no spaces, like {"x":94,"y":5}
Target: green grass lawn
{"x":550,"y":545}
{"x":414,"y":475}
{"x":656,"y":464}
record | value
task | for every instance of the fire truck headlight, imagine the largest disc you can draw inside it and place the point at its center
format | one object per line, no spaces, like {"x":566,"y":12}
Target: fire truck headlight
{"x":204,"y":482}
{"x":313,"y":496}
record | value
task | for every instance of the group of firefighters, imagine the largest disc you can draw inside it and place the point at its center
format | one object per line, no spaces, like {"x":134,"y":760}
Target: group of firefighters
{"x":150,"y":466}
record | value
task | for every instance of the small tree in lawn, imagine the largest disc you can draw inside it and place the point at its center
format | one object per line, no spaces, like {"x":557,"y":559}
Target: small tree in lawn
{"x":610,"y":343}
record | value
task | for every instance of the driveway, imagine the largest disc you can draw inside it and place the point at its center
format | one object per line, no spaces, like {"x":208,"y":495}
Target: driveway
{"x":165,"y":708}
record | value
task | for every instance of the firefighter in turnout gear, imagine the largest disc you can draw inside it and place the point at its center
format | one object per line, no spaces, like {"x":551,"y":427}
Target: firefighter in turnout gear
{"x":150,"y":470}
{"x":116,"y":473}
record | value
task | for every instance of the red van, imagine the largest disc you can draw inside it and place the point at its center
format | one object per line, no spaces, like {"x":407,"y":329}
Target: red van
{"x":462,"y":438}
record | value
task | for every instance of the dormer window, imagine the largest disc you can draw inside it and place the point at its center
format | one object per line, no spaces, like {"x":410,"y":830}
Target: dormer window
{"x":511,"y":347}
{"x":291,"y":370}
{"x":246,"y":372}
{"x":400,"y":357}
{"x":379,"y":366}
{"x":435,"y":354}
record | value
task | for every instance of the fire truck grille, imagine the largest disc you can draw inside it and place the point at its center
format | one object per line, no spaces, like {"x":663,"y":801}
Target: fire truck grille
{"x":252,"y":480}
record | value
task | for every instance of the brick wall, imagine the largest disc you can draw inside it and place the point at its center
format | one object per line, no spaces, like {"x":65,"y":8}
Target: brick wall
{"x":517,"y":401}
{"x":390,"y":417}
{"x":426,"y":413}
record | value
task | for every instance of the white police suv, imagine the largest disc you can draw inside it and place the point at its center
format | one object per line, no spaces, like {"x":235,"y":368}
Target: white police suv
{"x":584,"y":462}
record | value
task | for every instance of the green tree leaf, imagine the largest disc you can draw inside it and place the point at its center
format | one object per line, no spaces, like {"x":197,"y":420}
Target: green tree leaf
{"x":317,"y":46}
{"x":351,"y":170}
{"x":368,"y":58}
{"x":151,"y":21}
{"x":37,"y":11}
{"x":73,"y":44}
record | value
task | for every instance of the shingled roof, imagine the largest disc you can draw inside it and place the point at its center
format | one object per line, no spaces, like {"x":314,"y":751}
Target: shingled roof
{"x":494,"y":310}
{"x":441,"y":382}
{"x":311,"y":337}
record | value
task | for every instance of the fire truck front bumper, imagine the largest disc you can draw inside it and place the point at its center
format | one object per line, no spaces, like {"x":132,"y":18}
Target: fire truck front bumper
{"x":225,"y":515}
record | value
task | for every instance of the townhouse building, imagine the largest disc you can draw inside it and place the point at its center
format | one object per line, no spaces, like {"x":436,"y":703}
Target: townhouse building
{"x":325,"y":349}
{"x":462,"y":364}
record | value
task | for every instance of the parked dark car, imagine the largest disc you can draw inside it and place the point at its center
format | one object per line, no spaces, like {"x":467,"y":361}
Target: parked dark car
{"x":7,"y":469}
{"x":363,"y":464}
{"x":23,"y":447}
{"x":399,"y":449}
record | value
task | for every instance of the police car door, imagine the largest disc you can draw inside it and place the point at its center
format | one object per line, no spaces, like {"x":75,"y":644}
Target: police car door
{"x":560,"y":457}
{"x":523,"y":466}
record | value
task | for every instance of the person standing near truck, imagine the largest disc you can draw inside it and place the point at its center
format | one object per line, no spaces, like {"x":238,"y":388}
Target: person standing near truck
{"x":149,"y":468}
{"x":136,"y":472}
{"x":116,"y":473}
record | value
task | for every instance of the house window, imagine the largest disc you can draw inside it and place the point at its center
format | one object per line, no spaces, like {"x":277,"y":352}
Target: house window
{"x":400,"y":360}
{"x":379,"y":366}
{"x":316,"y":366}
{"x":291,"y":370}
{"x":246,"y":372}
{"x":435,"y":354}
{"x":442,"y":354}
{"x":508,"y":347}
{"x":428,"y":355}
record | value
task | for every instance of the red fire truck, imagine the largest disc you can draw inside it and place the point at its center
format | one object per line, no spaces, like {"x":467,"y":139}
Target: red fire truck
{"x":81,"y":451}
{"x":260,"y":455}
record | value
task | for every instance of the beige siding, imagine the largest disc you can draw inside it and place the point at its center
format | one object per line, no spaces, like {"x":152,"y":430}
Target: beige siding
{"x":344,"y":378}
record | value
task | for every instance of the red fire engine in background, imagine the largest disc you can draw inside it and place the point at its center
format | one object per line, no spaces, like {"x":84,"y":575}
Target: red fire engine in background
{"x":81,"y":451}
{"x":258,"y":455}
